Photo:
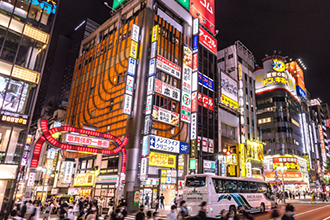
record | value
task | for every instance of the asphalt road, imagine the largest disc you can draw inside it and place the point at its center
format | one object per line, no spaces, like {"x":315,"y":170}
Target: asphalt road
{"x":303,"y":212}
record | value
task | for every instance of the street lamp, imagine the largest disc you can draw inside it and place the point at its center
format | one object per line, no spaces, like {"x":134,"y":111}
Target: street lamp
{"x":282,"y":169}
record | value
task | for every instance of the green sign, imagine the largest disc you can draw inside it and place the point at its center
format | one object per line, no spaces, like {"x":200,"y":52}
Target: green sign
{"x":184,"y":3}
{"x":117,"y":3}
{"x":192,"y":164}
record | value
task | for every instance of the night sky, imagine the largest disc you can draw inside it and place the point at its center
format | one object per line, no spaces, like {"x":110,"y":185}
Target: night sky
{"x":299,"y":29}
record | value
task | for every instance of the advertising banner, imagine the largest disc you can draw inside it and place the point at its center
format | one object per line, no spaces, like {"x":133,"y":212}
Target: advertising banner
{"x":152,"y":67}
{"x":194,"y":83}
{"x":165,"y":116}
{"x":204,"y":144}
{"x":85,"y":140}
{"x":154,"y":35}
{"x":167,"y":90}
{"x":133,"y":51}
{"x":129,"y":85}
{"x":128,"y":101}
{"x":194,"y":102}
{"x":67,"y":172}
{"x":162,"y":160}
{"x":84,"y":179}
{"x":193,"y":126}
{"x":131,"y":66}
{"x":186,"y":107}
{"x":31,"y":179}
{"x":144,"y":169}
{"x":286,"y":175}
{"x":51,"y":154}
{"x":145,"y":146}
{"x":195,"y":62}
{"x":135,"y":33}
{"x":204,"y":10}
{"x":107,"y":179}
{"x":168,"y":67}
{"x":149,"y":105}
{"x":207,"y":41}
{"x":211,"y":145}
{"x":205,"y":101}
{"x":150,"y":89}
{"x":169,"y":145}
{"x":229,"y":87}
{"x":209,"y":166}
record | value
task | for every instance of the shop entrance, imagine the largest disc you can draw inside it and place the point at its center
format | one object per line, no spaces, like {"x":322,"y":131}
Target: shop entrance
{"x":169,"y":193}
{"x":152,"y":193}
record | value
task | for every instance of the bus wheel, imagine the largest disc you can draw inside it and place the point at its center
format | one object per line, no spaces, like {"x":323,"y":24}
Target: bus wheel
{"x":232,"y":208}
{"x":262,"y":208}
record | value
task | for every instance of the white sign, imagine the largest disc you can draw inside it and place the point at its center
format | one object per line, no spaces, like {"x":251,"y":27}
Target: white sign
{"x":153,"y":50}
{"x":211,"y":145}
{"x":135,"y":33}
{"x":165,"y":116}
{"x":131,"y":66}
{"x":204,"y":144}
{"x":194,"y":84}
{"x":149,"y":105}
{"x":30,"y":182}
{"x":67,"y":172}
{"x":228,"y":87}
{"x":85,"y":140}
{"x":51,"y":154}
{"x":147,"y":124}
{"x":150,"y":90}
{"x":151,"y":181}
{"x":186,"y":107}
{"x":167,"y":90}
{"x":129,"y":85}
{"x":54,"y":191}
{"x":195,"y":26}
{"x":152,"y":67}
{"x":193,"y":126}
{"x":187,"y":70}
{"x":168,"y":145}
{"x":128,"y":104}
{"x":248,"y":169}
{"x":144,"y":169}
{"x":168,"y":67}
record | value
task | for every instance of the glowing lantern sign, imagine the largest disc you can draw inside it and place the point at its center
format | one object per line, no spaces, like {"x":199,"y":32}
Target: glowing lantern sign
{"x":47,"y":136}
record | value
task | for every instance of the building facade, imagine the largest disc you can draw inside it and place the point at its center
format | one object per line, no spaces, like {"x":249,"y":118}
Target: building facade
{"x":25,"y":31}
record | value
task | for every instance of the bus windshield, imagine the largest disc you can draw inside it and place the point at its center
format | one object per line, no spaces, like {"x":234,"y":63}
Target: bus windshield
{"x":196,"y":181}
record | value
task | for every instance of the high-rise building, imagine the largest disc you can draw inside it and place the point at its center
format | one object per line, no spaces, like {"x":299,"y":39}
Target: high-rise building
{"x":149,"y":72}
{"x":25,"y":31}
{"x":238,"y":62}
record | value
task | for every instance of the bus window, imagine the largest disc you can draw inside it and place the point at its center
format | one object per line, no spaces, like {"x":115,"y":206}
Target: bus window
{"x":253,"y":187}
{"x":231,"y":186}
{"x":262,"y":187}
{"x":243,"y":187}
{"x":195,"y":181}
{"x":218,"y":185}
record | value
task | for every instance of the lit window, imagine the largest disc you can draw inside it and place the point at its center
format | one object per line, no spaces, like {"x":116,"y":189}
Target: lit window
{"x":25,"y":74}
{"x":35,"y":34}
{"x":264,"y":120}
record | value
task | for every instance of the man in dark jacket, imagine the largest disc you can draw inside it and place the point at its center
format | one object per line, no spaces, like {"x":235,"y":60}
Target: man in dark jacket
{"x":23,"y":211}
{"x":202,"y":212}
{"x":140,"y":215}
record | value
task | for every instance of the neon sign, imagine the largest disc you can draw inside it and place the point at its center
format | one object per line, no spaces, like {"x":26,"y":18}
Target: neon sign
{"x":278,"y":65}
{"x":49,"y":8}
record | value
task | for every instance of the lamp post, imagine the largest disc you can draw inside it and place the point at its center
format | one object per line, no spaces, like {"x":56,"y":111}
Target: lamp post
{"x":282,"y":169}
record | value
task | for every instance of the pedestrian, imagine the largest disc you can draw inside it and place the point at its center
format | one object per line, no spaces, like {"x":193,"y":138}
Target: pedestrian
{"x":47,"y":211}
{"x":63,"y":209}
{"x":156,"y":202}
{"x":162,"y":198}
{"x":123,"y":208}
{"x":146,"y":198}
{"x":70,"y":214}
{"x":231,"y":215}
{"x":172,"y":214}
{"x":223,"y":214}
{"x":140,"y":215}
{"x":83,"y":213}
{"x":299,"y":195}
{"x":23,"y":210}
{"x":183,"y":212}
{"x":14,"y":215}
{"x":33,"y":210}
{"x":289,"y":212}
{"x":243,"y":215}
{"x":275,"y":215}
{"x":111,"y":205}
{"x":100,"y":205}
{"x":155,"y":216}
{"x":91,"y":215}
{"x":175,"y":200}
{"x":202,"y":212}
{"x":149,"y":214}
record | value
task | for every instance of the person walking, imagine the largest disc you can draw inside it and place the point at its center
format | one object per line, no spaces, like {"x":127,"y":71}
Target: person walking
{"x":146,"y":198}
{"x":202,"y":212}
{"x":183,"y":212}
{"x":289,"y":213}
{"x":223,"y":214}
{"x":162,"y":198}
{"x":14,"y":215}
{"x":111,"y":205}
{"x":140,"y":215}
{"x":149,"y":215}
{"x":23,"y":210}
{"x":275,"y":215}
{"x":156,"y":202}
{"x":47,"y":211}
{"x":172,"y":214}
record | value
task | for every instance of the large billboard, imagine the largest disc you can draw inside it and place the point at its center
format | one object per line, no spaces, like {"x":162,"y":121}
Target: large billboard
{"x":204,"y":10}
{"x":229,"y":90}
{"x":294,"y":69}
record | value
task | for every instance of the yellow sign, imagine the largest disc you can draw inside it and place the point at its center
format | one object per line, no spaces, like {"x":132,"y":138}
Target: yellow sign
{"x":164,"y":173}
{"x":162,"y":160}
{"x":154,"y":36}
{"x":84,"y":179}
{"x":242,"y":156}
{"x":239,"y":72}
{"x":231,"y":170}
{"x":133,"y":50}
{"x":278,"y":65}
{"x":229,"y":102}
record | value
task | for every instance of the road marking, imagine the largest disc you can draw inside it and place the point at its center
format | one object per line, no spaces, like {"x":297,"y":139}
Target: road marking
{"x":327,"y":218}
{"x":311,"y":211}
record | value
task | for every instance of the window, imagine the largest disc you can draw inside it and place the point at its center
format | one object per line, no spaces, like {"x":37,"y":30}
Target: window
{"x":253,"y":187}
{"x":11,"y":45}
{"x":221,"y":60}
{"x":243,"y":187}
{"x":231,"y":186}
{"x":262,"y":187}
{"x":230,"y":56}
{"x":264,"y":120}
{"x":196,"y":182}
{"x":218,"y":185}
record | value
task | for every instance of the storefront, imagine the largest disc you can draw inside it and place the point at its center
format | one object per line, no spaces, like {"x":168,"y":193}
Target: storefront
{"x":105,"y":187}
{"x":84,"y":181}
{"x":149,"y":187}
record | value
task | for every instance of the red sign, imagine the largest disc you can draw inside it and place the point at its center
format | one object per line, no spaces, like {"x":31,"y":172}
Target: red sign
{"x":285,"y":160}
{"x":169,"y":67}
{"x":207,"y":101}
{"x":204,"y":10}
{"x":194,"y":102}
{"x":195,"y":62}
{"x":84,"y":140}
{"x":207,"y":40}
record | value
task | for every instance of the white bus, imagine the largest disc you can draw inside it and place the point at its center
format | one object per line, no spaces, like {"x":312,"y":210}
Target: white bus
{"x":226,"y":193}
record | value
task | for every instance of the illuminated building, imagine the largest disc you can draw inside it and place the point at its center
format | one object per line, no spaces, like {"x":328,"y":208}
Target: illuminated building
{"x":238,"y":112}
{"x":135,"y":76}
{"x":25,"y":31}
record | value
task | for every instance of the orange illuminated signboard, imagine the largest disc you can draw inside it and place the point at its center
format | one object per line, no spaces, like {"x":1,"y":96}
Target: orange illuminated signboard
{"x":286,"y":175}
{"x":204,"y":10}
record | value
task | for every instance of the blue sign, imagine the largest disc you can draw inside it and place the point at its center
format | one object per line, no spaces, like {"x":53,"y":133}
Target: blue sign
{"x":184,"y":148}
{"x":131,"y":66}
{"x":47,"y":7}
{"x":195,"y":44}
{"x":301,"y":92}
{"x":145,"y":149}
{"x":205,"y":81}
{"x":152,"y":67}
{"x":200,"y":78}
{"x":210,"y":84}
{"x":222,"y":167}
